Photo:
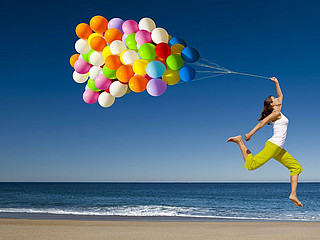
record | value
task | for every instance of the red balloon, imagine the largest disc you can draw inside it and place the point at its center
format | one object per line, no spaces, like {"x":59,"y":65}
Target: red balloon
{"x":163,"y":50}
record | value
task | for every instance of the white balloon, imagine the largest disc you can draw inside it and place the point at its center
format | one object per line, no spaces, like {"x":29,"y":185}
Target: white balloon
{"x":117,"y":47}
{"x":129,"y":57}
{"x":79,"y":78}
{"x":82,"y":46}
{"x":96,"y":59}
{"x":117,"y":89}
{"x":106,"y":99}
{"x":159,"y":35}
{"x":147,"y":24}
{"x":94,"y":72}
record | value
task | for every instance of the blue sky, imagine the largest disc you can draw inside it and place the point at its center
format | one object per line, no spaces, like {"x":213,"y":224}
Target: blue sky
{"x":49,"y":134}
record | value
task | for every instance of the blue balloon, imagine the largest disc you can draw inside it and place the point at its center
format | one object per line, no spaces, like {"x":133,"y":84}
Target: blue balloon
{"x":187,"y":73}
{"x":155,"y":69}
{"x":176,"y":40}
{"x":190,"y":54}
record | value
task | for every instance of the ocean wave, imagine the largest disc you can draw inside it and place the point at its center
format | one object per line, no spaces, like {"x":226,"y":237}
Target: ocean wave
{"x":166,"y":211}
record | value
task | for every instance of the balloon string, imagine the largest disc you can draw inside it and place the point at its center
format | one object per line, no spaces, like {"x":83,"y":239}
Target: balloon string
{"x":210,"y":71}
{"x":248,"y":74}
{"x":202,"y":78}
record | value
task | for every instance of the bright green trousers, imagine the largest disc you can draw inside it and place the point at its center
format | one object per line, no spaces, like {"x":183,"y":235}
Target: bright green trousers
{"x":269,"y":151}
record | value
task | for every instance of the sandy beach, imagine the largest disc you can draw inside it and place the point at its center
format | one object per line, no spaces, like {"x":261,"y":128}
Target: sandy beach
{"x":143,"y":230}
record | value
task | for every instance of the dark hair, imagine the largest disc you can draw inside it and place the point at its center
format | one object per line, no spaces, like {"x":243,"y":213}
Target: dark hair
{"x":267,"y":109}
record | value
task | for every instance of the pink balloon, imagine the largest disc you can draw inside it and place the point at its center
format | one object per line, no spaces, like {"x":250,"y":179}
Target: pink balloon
{"x":81,"y":66}
{"x":130,"y":26}
{"x":142,"y":37}
{"x":90,"y":96}
{"x":102,"y":82}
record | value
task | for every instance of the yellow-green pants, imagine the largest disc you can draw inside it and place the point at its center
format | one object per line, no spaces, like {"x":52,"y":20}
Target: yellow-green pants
{"x":272,"y":150}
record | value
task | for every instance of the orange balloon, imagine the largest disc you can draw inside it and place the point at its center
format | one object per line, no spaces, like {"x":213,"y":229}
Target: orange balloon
{"x":161,"y":60}
{"x":83,"y":30}
{"x":138,"y":83}
{"x":99,"y":24}
{"x":113,"y":34}
{"x":73,"y":59}
{"x":98,"y":43}
{"x":124,"y":73}
{"x":113,"y":62}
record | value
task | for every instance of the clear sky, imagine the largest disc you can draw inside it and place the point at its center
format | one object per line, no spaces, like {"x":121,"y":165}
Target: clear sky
{"x":48,"y":133}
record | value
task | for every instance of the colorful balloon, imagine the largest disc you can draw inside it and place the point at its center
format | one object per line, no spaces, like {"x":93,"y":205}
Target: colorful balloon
{"x":129,"y":57}
{"x":94,"y":72}
{"x":177,"y":40}
{"x":113,"y":62}
{"x":118,"y":89}
{"x":175,"y":62}
{"x":102,"y":82}
{"x":79,"y":78}
{"x":138,"y":83}
{"x":99,"y":24}
{"x":116,"y":23}
{"x":155,"y":69}
{"x":187,"y":73}
{"x":147,"y":51}
{"x":96,"y":59}
{"x":147,"y":24}
{"x":177,"y":48}
{"x":159,"y":35}
{"x":112,"y":34}
{"x":92,"y":86}
{"x":163,"y":50}
{"x":139,"y":66}
{"x":73,"y":59}
{"x":108,"y":73}
{"x":90,"y":97}
{"x":83,"y":30}
{"x":124,"y":73}
{"x":81,"y":66}
{"x":106,"y":99}
{"x":86,"y":56}
{"x":82,"y":46}
{"x":171,"y":77}
{"x":156,"y":87}
{"x":98,"y":43}
{"x":130,"y":26}
{"x":143,"y":36}
{"x":116,"y":47}
{"x":131,"y":41}
{"x":190,"y":54}
{"x":106,"y":52}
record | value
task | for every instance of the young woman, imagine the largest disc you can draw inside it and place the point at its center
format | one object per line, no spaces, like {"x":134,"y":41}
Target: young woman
{"x":274,"y":146}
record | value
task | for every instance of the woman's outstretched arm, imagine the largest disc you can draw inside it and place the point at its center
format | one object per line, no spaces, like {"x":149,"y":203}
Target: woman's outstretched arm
{"x":273,"y":116}
{"x":279,"y":92}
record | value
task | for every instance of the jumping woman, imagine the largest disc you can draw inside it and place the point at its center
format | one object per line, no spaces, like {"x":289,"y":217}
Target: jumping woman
{"x":274,"y":146}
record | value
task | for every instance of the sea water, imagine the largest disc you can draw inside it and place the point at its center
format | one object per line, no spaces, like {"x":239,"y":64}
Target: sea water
{"x":235,"y":201}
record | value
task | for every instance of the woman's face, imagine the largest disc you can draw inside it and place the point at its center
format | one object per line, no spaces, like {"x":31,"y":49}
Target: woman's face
{"x":275,"y":101}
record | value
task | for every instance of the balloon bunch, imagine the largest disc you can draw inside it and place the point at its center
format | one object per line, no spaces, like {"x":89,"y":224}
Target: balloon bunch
{"x":116,"y":57}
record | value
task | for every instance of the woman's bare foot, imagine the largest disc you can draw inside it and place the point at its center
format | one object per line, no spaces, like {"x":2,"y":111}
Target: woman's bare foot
{"x":235,"y":139}
{"x":295,"y":200}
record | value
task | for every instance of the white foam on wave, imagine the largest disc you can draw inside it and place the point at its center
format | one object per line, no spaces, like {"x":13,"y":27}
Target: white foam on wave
{"x":161,"y":211}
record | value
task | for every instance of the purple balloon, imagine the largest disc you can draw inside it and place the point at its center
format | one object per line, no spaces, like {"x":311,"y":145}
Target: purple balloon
{"x":90,"y":96}
{"x":102,"y":82}
{"x":142,"y":37}
{"x":81,"y":66}
{"x":156,"y":87}
{"x":116,"y":23}
{"x":130,"y":26}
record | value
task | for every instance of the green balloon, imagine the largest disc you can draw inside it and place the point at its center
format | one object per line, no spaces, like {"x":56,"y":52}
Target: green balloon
{"x":131,"y":41}
{"x":108,"y":73}
{"x":86,"y":56}
{"x":175,"y":62}
{"x":92,"y":86}
{"x":147,"y":51}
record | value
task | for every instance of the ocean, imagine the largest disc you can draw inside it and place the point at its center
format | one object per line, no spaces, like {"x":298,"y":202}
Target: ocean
{"x":202,"y":201}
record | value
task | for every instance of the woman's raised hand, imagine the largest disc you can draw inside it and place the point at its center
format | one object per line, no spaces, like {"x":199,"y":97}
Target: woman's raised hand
{"x":274,"y":79}
{"x":247,"y":136}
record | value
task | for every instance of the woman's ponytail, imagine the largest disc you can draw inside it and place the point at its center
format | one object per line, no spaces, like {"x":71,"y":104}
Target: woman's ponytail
{"x":267,"y":108}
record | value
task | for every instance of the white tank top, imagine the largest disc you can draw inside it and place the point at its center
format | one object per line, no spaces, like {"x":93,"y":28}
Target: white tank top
{"x":279,"y":131}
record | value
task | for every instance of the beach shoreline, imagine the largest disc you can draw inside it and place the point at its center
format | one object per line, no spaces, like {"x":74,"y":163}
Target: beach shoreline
{"x":27,"y":229}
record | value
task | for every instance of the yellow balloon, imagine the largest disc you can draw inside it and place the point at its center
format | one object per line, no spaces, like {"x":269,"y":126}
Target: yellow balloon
{"x":106,"y":52}
{"x":171,"y":77}
{"x":139,"y":66}
{"x":177,"y":48}
{"x":93,"y":35}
